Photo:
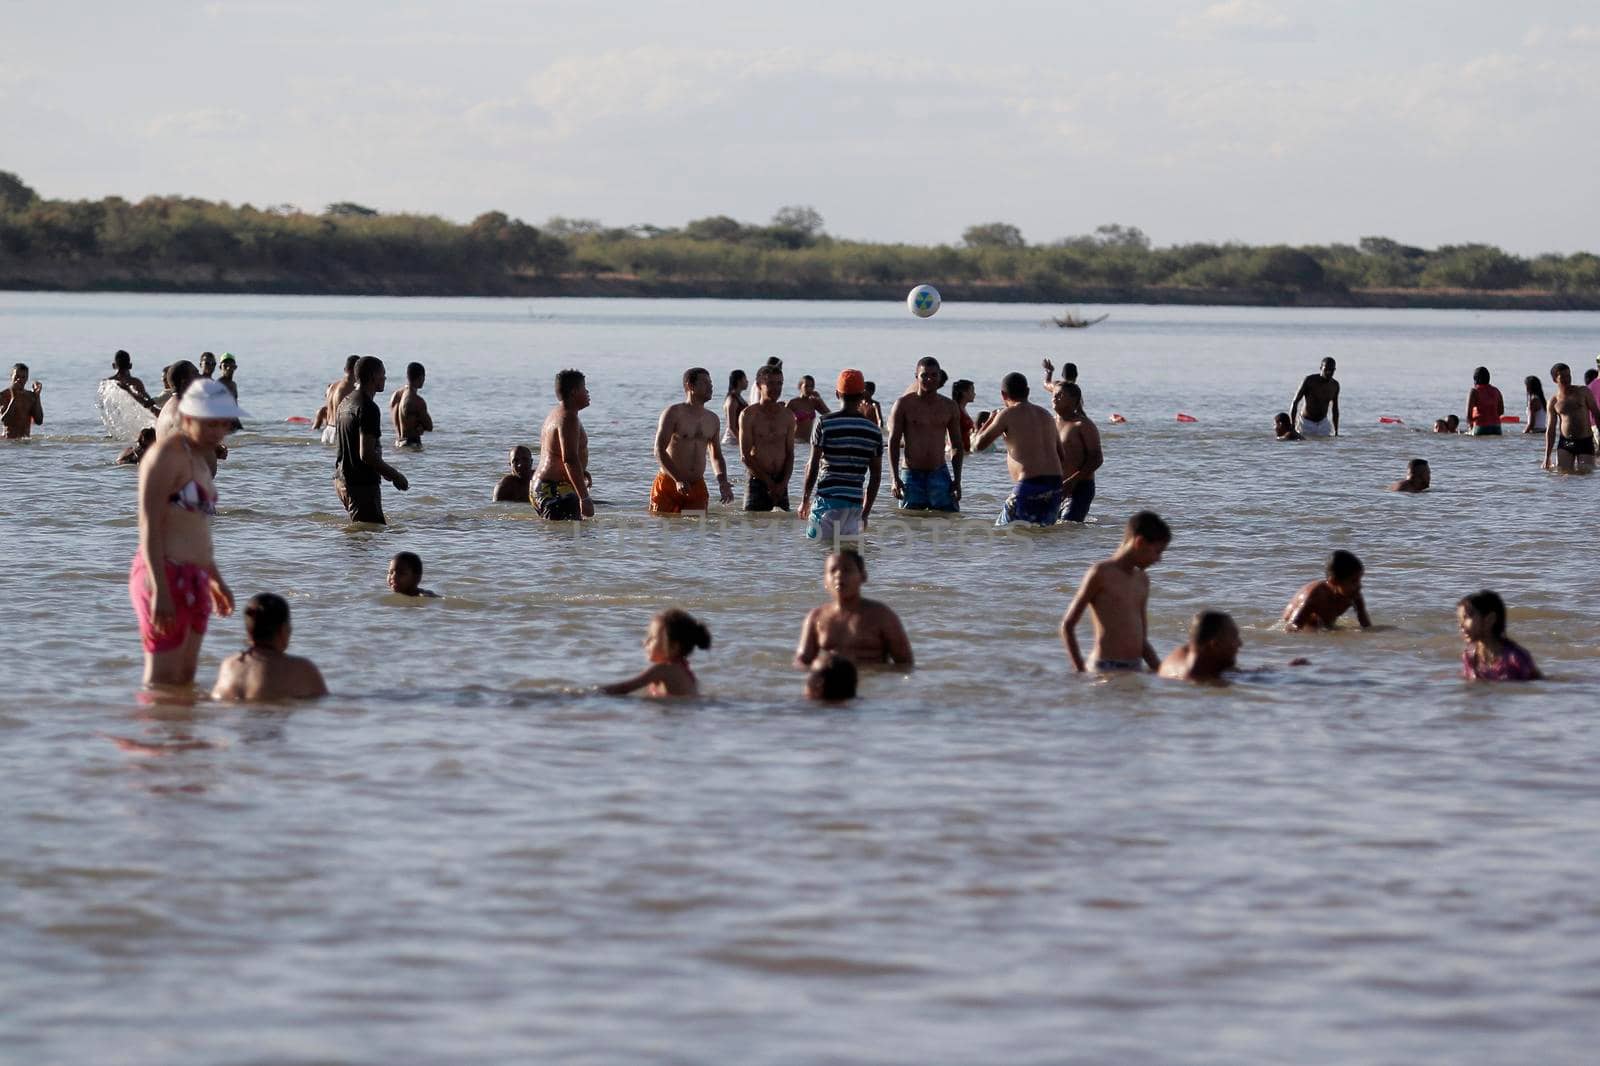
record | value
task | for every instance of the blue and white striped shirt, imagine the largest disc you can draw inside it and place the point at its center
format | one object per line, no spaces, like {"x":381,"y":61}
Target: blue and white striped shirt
{"x":849,"y":445}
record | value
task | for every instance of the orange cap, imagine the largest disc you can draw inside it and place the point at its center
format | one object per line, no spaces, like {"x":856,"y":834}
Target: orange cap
{"x":852,"y":383}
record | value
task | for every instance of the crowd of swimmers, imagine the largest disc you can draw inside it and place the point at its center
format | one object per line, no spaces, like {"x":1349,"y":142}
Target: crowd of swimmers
{"x":1052,"y":456}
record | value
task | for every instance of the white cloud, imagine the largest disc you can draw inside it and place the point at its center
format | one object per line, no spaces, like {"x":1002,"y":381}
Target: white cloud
{"x":1245,"y":20}
{"x":204,"y":122}
{"x":1584,"y":35}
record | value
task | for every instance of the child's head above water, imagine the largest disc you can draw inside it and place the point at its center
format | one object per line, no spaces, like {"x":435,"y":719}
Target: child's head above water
{"x":675,"y":634}
{"x":1482,"y":608}
{"x":832,"y":678}
{"x":1419,"y":473}
{"x":1345,"y":571}
{"x":266,"y":621}
{"x":405,"y":573}
{"x":1216,"y":633}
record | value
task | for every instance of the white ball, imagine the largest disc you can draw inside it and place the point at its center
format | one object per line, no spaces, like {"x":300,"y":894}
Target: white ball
{"x":923,"y":300}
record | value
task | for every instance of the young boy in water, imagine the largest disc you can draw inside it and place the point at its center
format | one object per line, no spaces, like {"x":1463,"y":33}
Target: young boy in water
{"x":405,"y":575}
{"x":1213,"y":649}
{"x":1418,"y":477}
{"x":831,"y":679}
{"x":264,"y":671}
{"x":1284,"y":428}
{"x":1117,"y":593}
{"x":133,"y":454}
{"x":513,"y":487}
{"x":861,"y":629}
{"x":1319,"y":604}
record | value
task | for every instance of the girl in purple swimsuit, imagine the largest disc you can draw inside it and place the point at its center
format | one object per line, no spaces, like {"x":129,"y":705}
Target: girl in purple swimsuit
{"x":1490,"y":654}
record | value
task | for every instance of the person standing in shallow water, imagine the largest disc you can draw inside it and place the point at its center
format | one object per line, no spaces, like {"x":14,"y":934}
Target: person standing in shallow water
{"x":359,"y":471}
{"x":1034,"y":455}
{"x":1320,"y":391}
{"x":1573,"y":411}
{"x":122,"y":375}
{"x":409,"y":410}
{"x":684,"y":434}
{"x":517,"y":486}
{"x":20,"y":407}
{"x":922,"y":421}
{"x":560,"y":491}
{"x":766,"y":444}
{"x":733,"y":406}
{"x":332,"y":398}
{"x":1485,"y":405}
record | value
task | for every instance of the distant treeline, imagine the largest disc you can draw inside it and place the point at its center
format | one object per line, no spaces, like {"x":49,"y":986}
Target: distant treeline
{"x":179,"y":244}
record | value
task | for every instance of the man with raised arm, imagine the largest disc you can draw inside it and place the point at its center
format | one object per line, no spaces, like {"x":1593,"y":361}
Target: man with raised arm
{"x":766,"y":444}
{"x":560,"y":490}
{"x":122,"y":374}
{"x":359,"y":471}
{"x":335,"y":395}
{"x":1080,"y":452}
{"x":683,"y":436}
{"x":1034,"y":455}
{"x":1321,"y":394}
{"x":21,"y":408}
{"x":922,"y":421}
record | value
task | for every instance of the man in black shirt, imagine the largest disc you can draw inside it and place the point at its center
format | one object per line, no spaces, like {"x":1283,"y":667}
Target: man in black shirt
{"x":359,"y":471}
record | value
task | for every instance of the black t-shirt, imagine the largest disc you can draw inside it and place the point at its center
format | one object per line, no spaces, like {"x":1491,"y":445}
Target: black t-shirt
{"x":357,"y":415}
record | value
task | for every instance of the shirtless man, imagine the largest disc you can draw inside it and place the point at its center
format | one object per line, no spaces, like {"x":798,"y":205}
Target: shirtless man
{"x":1319,"y":604}
{"x":122,"y":374}
{"x":1321,"y":393}
{"x":683,"y":436}
{"x":1213,"y":649}
{"x":560,"y":490}
{"x":515,"y":487}
{"x":1034,"y":455}
{"x":208,"y":364}
{"x":1069,"y":374}
{"x":922,"y":421}
{"x":863,"y":631}
{"x":20,"y":407}
{"x":1080,"y":451}
{"x":1567,"y":429}
{"x":229,"y":366}
{"x":337,"y":391}
{"x":264,"y":671}
{"x":1117,"y":592}
{"x":409,"y":411}
{"x":766,"y":444}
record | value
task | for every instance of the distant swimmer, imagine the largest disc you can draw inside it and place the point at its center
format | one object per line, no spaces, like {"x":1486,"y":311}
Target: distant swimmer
{"x":733,"y":405}
{"x":1418,"y":477}
{"x":672,"y":637}
{"x":766,"y":444}
{"x":208,"y":364}
{"x":1538,"y":406}
{"x":1069,"y":375}
{"x":1321,"y":395}
{"x":1034,"y":455}
{"x":1490,"y":655}
{"x":808,"y":405}
{"x":683,"y":436}
{"x":514,"y":487}
{"x":122,"y":367}
{"x":1116,"y":593}
{"x":21,"y":408}
{"x":265,"y":670}
{"x":1319,"y":604}
{"x":359,"y":470}
{"x":560,"y":491}
{"x":921,"y":422}
{"x":409,"y":411}
{"x":405,"y":576}
{"x":831,"y":679}
{"x":1283,"y":427}
{"x":1212,"y":651}
{"x":1081,"y":454}
{"x":1485,"y":405}
{"x":134,"y":453}
{"x":332,"y":398}
{"x":1573,"y":411}
{"x":862,"y":630}
{"x":845,"y":467}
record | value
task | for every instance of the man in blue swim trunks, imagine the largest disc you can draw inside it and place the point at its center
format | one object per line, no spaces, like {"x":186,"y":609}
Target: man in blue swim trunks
{"x":845,"y":467}
{"x":922,"y":421}
{"x":1080,"y":445}
{"x":1033,"y":453}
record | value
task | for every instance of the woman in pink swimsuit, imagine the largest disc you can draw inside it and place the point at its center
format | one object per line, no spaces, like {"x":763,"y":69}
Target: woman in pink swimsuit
{"x":806,"y":407}
{"x":173,"y":582}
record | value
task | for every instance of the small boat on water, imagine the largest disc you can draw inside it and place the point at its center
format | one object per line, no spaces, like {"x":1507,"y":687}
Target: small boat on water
{"x":1072,"y":320}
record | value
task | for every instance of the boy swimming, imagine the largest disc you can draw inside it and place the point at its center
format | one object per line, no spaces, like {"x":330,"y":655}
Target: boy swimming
{"x":831,"y":679}
{"x":264,"y":671}
{"x":1319,"y":604}
{"x":1213,"y":649}
{"x":1418,"y":477}
{"x":1117,"y":593}
{"x":672,"y":637}
{"x":405,"y":574}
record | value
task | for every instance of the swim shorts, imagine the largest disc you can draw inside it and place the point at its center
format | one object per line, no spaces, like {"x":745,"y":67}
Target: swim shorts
{"x":831,"y":518}
{"x":1486,"y":431}
{"x":1576,"y":445}
{"x":666,"y":499}
{"x":1076,"y":507}
{"x":330,"y":435}
{"x":757,"y":497}
{"x":1115,"y":666}
{"x":363,"y":503}
{"x":1319,"y":428}
{"x":1035,"y":499}
{"x":189,"y":587}
{"x":556,"y":500}
{"x":928,"y":490}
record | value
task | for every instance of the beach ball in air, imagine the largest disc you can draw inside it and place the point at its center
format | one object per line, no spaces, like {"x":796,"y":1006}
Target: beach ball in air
{"x":923,"y":300}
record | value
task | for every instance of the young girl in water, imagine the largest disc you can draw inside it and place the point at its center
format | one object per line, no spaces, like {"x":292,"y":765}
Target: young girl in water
{"x":806,"y":407}
{"x":1490,"y":654}
{"x":672,"y":637}
{"x":1537,"y":405}
{"x":733,"y":406}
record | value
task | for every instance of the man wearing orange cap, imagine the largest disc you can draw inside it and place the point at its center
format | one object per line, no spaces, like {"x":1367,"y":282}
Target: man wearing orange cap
{"x":683,"y":436}
{"x":845,"y":467}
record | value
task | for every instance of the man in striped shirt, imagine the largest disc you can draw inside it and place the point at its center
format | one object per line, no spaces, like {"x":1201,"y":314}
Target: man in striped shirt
{"x":845,"y":467}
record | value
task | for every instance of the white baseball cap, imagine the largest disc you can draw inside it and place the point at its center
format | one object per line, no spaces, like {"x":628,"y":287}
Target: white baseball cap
{"x":207,"y":398}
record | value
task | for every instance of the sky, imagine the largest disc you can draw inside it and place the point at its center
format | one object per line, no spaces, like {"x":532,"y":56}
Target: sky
{"x":1262,"y":121}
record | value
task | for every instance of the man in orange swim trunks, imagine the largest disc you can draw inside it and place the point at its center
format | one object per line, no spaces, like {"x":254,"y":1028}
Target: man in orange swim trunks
{"x":684,"y":434}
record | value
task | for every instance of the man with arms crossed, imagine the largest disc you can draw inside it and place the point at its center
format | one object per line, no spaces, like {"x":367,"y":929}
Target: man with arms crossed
{"x":1080,"y":452}
{"x":1572,"y":411}
{"x":1034,"y":455}
{"x":766,"y":444}
{"x":683,"y":436}
{"x":1321,"y":393}
{"x":923,"y":420}
{"x":359,"y":471}
{"x":560,"y":491}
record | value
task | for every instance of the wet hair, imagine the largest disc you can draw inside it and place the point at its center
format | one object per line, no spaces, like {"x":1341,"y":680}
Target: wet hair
{"x":1416,"y":464}
{"x":1283,"y":416}
{"x":1441,"y":426}
{"x":1343,"y":564}
{"x":19,"y":366}
{"x":684,"y":630}
{"x":410,"y":560}
{"x":832,"y":678}
{"x":928,"y":360}
{"x":147,"y":435}
{"x":692,"y":375}
{"x":872,"y":388}
{"x":1015,"y":386}
{"x":1069,"y":372}
{"x":1480,"y":376}
{"x":567,"y":382}
{"x":960,"y":385}
{"x":1072,"y":390}
{"x":1484,"y":604}
{"x":1559,"y":370}
{"x":855,"y":557}
{"x":520,"y":449}
{"x":350,"y":362}
{"x":1149,"y":526}
{"x":265,"y":616}
{"x":122,"y":353}
{"x":734,"y":378}
{"x":180,"y":375}
{"x":415,"y":370}
{"x":1208,"y":626}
